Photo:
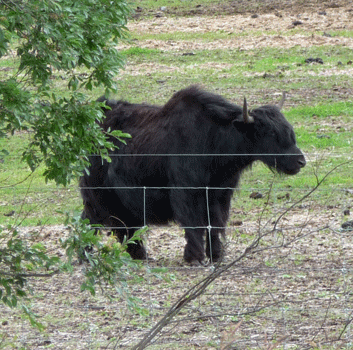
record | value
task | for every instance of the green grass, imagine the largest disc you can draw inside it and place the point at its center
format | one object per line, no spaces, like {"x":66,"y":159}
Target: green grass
{"x":140,"y":52}
{"x":323,"y":111}
{"x":32,"y":201}
{"x":341,"y":33}
{"x":253,"y":70}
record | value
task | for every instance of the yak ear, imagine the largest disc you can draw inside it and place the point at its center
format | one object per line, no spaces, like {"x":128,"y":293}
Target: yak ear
{"x":247,"y":118}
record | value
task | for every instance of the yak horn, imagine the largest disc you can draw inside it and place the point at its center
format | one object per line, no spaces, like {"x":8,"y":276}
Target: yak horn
{"x":247,"y":118}
{"x":281,"y":103}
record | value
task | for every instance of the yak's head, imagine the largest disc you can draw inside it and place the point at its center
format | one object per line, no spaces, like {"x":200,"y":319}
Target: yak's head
{"x":274,"y":140}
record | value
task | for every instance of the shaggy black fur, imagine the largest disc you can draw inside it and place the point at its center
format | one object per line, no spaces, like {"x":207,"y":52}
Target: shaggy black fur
{"x":167,"y":157}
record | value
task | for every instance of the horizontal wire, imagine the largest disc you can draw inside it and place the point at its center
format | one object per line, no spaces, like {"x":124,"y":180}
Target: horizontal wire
{"x":201,"y":188}
{"x":309,"y":155}
{"x":339,"y":154}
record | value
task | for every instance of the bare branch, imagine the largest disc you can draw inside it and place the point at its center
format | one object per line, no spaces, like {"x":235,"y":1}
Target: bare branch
{"x":199,"y":288}
{"x":50,"y":274}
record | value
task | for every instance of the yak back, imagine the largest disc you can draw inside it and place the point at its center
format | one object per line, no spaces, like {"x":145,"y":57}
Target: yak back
{"x":204,"y":105}
{"x":192,"y":122}
{"x":184,"y":106}
{"x":123,"y":115}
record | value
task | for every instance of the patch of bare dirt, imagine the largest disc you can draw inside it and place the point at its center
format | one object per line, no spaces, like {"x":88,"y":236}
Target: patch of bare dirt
{"x":245,"y":7}
{"x":295,"y":286}
{"x":247,"y":43}
{"x":334,"y":19}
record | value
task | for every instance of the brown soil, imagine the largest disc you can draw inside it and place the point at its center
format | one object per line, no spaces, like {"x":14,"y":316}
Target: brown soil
{"x":245,"y":7}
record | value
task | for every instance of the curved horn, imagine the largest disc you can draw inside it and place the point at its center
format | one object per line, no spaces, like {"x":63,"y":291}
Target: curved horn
{"x":247,"y":118}
{"x":281,"y":103}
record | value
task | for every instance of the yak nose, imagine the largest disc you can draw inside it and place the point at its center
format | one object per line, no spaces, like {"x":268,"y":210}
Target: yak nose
{"x":302,"y":162}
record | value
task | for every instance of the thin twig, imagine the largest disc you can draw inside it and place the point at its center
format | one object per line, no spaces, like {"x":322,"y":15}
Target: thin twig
{"x":198,"y":289}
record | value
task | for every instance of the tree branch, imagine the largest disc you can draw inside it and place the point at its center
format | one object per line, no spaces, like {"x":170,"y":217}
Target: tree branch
{"x":199,"y":288}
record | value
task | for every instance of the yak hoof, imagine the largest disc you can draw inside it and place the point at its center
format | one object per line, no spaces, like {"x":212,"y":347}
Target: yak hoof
{"x":216,"y":257}
{"x":196,"y":263}
{"x":217,"y":252}
{"x":192,"y":255}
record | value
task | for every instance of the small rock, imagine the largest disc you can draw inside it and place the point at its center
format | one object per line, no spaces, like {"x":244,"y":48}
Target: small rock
{"x":237,"y":223}
{"x":348,"y":225}
{"x":256,"y":195}
{"x":314,"y":60}
{"x":267,"y":75}
{"x":163,"y":8}
{"x":285,"y":196}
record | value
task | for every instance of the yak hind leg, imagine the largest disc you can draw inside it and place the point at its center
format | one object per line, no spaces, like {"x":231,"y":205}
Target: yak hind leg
{"x":194,"y":249}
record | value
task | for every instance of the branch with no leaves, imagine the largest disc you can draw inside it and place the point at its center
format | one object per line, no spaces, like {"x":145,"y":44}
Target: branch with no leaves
{"x":318,"y":184}
{"x":191,"y":295}
{"x":13,"y":275}
{"x":199,"y":288}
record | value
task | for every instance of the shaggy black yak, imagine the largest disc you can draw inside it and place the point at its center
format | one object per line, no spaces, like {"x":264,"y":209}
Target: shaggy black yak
{"x":182,"y":164}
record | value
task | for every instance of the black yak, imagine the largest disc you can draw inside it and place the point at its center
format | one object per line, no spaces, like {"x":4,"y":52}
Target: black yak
{"x":182,"y":164}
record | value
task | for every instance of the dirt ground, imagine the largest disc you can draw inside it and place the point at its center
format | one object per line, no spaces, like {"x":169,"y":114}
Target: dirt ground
{"x":311,"y":16}
{"x":245,"y":7}
{"x":292,"y":292}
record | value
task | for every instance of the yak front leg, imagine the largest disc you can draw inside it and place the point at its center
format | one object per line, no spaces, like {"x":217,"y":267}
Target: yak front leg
{"x":214,"y":247}
{"x":123,"y":232}
{"x":194,"y":249}
{"x":135,"y":248}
